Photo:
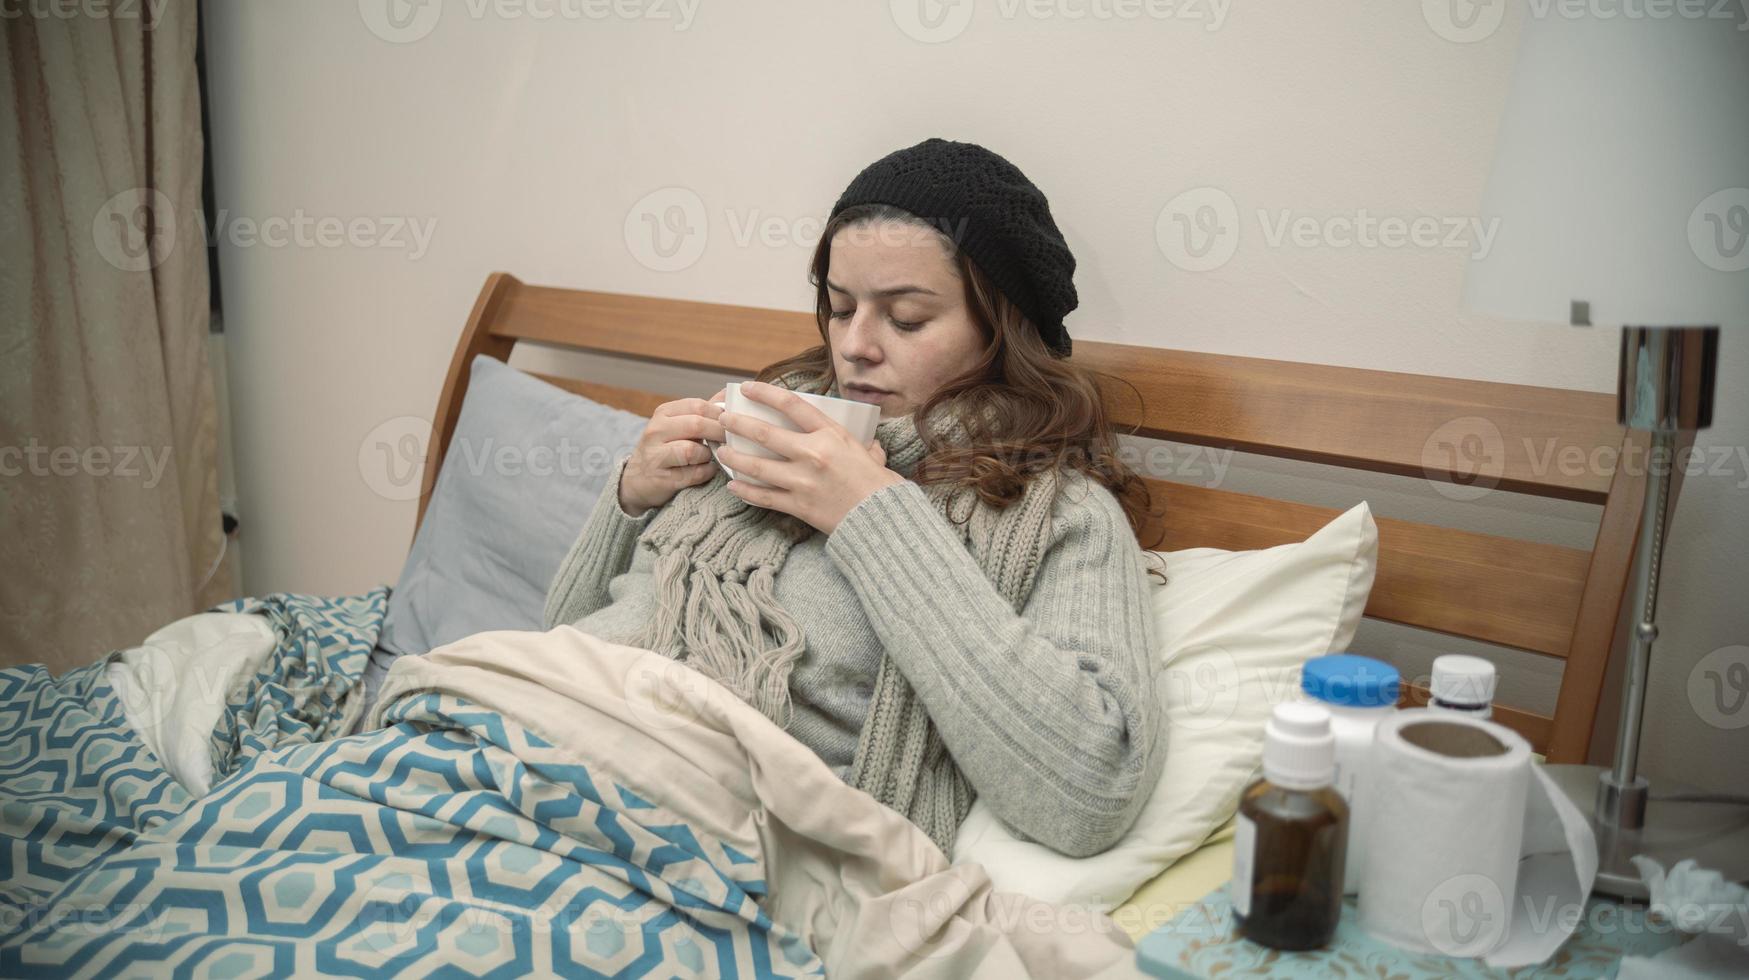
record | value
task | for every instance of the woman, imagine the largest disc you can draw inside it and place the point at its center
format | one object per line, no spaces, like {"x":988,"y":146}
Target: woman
{"x":958,"y":609}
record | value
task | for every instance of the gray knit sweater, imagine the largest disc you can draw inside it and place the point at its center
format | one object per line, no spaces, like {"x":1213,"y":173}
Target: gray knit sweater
{"x":1051,"y":714}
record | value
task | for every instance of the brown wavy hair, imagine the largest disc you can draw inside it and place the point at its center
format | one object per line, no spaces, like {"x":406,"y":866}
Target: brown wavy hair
{"x":1050,"y":410}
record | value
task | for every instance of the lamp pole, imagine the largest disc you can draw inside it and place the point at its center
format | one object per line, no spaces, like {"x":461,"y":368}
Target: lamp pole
{"x":1664,"y":387}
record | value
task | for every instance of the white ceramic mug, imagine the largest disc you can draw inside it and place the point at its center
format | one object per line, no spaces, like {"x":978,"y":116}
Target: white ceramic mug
{"x":861,"y":418}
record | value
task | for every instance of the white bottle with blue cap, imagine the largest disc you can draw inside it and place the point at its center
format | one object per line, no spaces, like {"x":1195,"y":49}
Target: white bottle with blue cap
{"x":1359,"y":692}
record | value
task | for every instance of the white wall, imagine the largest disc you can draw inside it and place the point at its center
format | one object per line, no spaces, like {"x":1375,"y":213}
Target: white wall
{"x":523,"y":144}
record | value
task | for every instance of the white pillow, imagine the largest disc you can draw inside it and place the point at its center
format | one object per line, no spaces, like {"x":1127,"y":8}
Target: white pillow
{"x":1235,"y":629}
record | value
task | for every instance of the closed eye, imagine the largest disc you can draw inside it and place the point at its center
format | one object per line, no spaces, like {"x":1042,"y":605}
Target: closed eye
{"x":905,"y":325}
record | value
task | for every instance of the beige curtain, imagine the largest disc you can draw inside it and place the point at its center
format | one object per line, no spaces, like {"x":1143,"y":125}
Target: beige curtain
{"x":109,"y":516}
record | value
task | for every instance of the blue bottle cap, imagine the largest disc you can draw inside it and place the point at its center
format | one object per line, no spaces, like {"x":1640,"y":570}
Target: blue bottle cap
{"x":1350,"y":680}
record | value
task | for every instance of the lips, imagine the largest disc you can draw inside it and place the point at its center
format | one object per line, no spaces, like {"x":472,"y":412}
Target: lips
{"x":865,"y":393}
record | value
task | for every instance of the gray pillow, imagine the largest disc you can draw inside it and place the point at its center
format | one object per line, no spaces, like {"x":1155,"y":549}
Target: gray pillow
{"x":525,"y":465}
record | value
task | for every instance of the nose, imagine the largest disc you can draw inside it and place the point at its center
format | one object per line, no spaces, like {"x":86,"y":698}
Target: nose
{"x":859,"y":342}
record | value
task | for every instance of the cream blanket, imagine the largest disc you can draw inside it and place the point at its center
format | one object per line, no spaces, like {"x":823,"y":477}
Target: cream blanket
{"x":867,"y":890}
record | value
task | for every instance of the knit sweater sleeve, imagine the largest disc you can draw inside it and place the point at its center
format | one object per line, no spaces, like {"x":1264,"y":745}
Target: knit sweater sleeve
{"x":602,"y":551}
{"x":1051,"y":713}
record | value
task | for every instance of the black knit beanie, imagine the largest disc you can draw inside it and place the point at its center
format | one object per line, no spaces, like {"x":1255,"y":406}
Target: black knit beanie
{"x":993,"y":214}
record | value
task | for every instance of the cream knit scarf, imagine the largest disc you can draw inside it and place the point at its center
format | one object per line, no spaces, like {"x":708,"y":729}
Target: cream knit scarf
{"x":716,"y":567}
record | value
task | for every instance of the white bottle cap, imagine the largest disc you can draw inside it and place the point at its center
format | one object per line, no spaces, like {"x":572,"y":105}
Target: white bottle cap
{"x":1299,"y":750}
{"x":1462,"y":680}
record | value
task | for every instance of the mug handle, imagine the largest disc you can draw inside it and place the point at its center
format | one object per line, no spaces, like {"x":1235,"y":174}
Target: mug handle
{"x":714,"y":446}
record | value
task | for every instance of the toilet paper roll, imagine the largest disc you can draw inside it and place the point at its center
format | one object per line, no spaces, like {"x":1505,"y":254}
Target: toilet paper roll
{"x":1472,"y":850}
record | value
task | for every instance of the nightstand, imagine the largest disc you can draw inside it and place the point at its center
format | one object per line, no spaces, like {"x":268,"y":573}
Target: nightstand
{"x":1203,"y":941}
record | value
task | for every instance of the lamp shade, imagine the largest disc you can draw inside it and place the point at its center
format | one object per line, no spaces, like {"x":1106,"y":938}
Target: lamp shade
{"x":1621,"y":173}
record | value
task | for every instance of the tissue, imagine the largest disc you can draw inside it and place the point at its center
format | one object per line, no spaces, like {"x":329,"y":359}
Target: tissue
{"x":1696,"y":901}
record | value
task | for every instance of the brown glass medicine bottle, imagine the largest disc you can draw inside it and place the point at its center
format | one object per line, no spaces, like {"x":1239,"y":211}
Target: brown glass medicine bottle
{"x":1292,"y":838}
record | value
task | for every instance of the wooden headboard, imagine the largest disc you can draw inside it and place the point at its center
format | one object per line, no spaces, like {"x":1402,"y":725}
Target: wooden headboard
{"x":1546,"y":599}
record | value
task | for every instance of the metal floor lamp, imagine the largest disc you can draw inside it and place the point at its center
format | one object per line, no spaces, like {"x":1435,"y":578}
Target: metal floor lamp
{"x":1665,"y":387}
{"x":1621,"y":188}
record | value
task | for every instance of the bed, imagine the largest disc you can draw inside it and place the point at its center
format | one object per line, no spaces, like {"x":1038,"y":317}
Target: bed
{"x":1549,"y":600}
{"x":276,"y":737}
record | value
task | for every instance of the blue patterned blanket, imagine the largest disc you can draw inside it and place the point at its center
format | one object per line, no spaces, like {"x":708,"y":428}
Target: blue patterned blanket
{"x":530,"y":804}
{"x":77,"y":783}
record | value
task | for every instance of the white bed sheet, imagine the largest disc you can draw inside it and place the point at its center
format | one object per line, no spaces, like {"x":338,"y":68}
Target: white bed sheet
{"x":174,"y":686}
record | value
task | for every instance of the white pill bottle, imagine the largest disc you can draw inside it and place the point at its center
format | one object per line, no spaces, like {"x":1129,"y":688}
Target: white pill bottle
{"x":1463,"y":683}
{"x":1359,"y":692}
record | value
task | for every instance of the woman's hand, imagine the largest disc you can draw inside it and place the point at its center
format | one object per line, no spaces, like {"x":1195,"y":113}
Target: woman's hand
{"x":669,"y":457}
{"x":825,"y":472}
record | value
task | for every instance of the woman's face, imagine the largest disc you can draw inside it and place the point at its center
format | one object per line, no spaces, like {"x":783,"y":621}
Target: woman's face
{"x":900,"y":327}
